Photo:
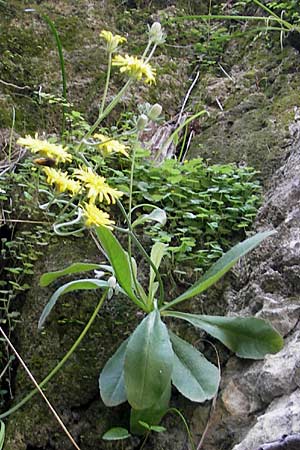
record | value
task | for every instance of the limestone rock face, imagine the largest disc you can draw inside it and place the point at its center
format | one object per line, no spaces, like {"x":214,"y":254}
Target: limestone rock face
{"x":282,"y":417}
{"x":264,"y":396}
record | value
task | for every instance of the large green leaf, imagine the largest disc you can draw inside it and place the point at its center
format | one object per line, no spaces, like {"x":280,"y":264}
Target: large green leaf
{"x":111,"y":380}
{"x":193,"y":375}
{"x":151,"y":416}
{"x":247,"y":337}
{"x":221,"y":267}
{"x":148,"y":362}
{"x":85,"y":284}
{"x":49,"y":277}
{"x":119,"y":260}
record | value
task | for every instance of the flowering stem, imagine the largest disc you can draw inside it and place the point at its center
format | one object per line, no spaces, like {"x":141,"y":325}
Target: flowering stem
{"x":61,"y":362}
{"x":106,"y":84}
{"x":143,"y":252}
{"x":151,"y":53}
{"x":105,"y":113}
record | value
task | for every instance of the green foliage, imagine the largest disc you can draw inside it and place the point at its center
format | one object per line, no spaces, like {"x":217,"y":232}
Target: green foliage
{"x":193,"y":375}
{"x":142,"y":369}
{"x":289,"y":9}
{"x":205,"y":205}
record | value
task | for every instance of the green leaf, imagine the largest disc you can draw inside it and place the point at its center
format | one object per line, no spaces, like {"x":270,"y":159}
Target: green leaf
{"x":247,"y":337}
{"x":193,"y":375}
{"x":151,"y":416}
{"x":116,"y":434}
{"x":157,"y":215}
{"x":2,"y":434}
{"x":221,"y":267}
{"x":148,"y":362}
{"x":85,"y":284}
{"x":49,"y":277}
{"x":119,"y":260}
{"x":111,"y":380}
{"x":157,"y":428}
{"x":157,"y":253}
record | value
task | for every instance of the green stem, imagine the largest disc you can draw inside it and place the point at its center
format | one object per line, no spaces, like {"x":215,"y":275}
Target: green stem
{"x":11,"y":134}
{"x":61,"y":362}
{"x":151,"y":53}
{"x":145,"y":440}
{"x":105,"y":113}
{"x":176,"y":411}
{"x":106,"y":84}
{"x":143,"y":252}
{"x":146,"y":50}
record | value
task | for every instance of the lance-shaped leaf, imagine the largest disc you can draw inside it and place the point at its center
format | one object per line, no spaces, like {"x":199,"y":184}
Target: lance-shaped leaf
{"x":111,"y":380}
{"x":148,"y":362}
{"x":85,"y":284}
{"x":247,"y":337}
{"x":153,"y":415}
{"x":221,"y":267}
{"x":49,"y":277}
{"x":119,"y":260}
{"x":193,"y":375}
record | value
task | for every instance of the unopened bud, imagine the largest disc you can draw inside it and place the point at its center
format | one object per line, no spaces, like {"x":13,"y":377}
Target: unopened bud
{"x":156,"y":34}
{"x":112,"y":282}
{"x":155,"y":111}
{"x":142,"y":122}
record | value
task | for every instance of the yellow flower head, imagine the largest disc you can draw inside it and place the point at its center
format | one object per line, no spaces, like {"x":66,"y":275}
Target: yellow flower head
{"x":97,"y":186}
{"x":113,"y":41}
{"x":109,"y":145}
{"x":61,"y":180}
{"x":95,"y":216}
{"x":135,"y":68}
{"x":45,"y":148}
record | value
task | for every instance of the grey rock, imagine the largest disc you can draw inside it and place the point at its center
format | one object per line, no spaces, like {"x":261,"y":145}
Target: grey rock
{"x":281,"y":418}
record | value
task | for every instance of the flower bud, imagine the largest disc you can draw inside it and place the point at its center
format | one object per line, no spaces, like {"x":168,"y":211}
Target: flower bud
{"x":112,"y":282}
{"x":156,"y":34}
{"x":142,"y":122}
{"x":155,"y":111}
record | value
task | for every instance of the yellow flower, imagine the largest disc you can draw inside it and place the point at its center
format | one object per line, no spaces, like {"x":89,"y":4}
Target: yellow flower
{"x":113,"y":41}
{"x":109,"y":145}
{"x":97,"y":186}
{"x":94,"y":216}
{"x":135,"y":68}
{"x":62,"y":181}
{"x":45,"y":148}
